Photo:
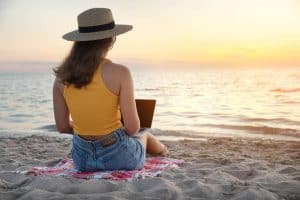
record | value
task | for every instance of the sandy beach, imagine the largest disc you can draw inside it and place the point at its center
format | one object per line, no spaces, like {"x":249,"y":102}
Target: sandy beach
{"x":225,"y":77}
{"x":214,"y":168}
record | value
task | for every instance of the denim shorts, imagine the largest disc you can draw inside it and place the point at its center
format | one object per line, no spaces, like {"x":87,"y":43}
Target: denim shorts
{"x":127,"y":153}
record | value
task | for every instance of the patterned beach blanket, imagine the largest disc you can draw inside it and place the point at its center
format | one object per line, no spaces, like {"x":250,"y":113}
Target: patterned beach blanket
{"x":154,"y":166}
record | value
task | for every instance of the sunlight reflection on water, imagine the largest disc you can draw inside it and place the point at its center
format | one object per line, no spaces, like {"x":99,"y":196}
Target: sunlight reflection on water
{"x":223,"y":101}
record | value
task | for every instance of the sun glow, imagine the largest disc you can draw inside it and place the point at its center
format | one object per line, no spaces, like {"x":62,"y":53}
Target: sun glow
{"x":236,"y":32}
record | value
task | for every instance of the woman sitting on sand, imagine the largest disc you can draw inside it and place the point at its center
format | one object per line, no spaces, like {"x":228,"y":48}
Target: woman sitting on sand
{"x":95,"y":91}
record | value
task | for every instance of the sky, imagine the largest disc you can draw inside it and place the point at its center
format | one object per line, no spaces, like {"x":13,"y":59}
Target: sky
{"x":211,"y":32}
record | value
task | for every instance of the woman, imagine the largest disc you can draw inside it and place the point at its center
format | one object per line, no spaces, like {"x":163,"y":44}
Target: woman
{"x":95,"y":91}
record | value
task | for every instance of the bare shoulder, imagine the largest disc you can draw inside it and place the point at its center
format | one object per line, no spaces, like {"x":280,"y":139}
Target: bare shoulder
{"x":119,"y":69}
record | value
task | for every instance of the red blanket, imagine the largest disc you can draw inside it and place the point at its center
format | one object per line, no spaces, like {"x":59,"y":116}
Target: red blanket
{"x":153,"y":167}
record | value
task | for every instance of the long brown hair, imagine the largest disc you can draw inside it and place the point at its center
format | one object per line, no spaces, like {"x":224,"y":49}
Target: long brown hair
{"x":83,"y":60}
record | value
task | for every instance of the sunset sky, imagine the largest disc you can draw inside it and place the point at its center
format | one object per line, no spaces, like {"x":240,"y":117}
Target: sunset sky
{"x":223,"y":32}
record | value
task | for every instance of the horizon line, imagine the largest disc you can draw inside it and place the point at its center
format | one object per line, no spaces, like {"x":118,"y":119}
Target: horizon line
{"x":155,"y":61}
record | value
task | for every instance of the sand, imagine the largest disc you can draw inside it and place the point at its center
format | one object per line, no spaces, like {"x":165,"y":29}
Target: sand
{"x":215,"y":168}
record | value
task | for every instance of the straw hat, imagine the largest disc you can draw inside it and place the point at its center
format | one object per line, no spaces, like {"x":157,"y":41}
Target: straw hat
{"x":96,"y":24}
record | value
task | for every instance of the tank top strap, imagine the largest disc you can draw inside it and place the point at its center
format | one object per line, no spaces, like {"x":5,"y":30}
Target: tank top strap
{"x":98,"y":73}
{"x":98,"y":78}
{"x":102,"y":63}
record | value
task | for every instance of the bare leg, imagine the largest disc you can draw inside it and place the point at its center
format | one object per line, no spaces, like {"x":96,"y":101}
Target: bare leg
{"x":153,"y":145}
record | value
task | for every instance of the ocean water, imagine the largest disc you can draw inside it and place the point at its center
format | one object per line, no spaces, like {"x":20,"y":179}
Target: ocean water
{"x":258,"y":102}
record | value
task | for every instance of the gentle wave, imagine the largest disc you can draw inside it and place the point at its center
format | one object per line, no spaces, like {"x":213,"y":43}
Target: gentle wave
{"x":50,"y":127}
{"x":285,"y":90}
{"x":274,"y":120}
{"x":21,"y":115}
{"x":148,"y":89}
{"x":289,"y":102}
{"x":259,"y":129}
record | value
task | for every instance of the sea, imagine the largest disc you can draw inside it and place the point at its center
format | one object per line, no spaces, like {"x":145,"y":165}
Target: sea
{"x":259,"y":102}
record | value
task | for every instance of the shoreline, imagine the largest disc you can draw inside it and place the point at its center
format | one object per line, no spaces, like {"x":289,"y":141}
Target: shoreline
{"x":164,"y":134}
{"x":214,"y":168}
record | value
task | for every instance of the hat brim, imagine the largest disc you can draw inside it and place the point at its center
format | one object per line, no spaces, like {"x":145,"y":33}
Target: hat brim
{"x":77,"y":36}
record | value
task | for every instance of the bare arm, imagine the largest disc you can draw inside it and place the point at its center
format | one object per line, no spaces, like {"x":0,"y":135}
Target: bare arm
{"x":127,"y":102}
{"x":61,"y":112}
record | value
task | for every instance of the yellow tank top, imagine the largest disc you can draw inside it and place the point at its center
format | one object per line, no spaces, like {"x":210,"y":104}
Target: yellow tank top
{"x":94,"y":109}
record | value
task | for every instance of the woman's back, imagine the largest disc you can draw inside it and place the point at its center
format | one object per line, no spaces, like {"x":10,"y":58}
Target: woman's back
{"x":95,"y":108}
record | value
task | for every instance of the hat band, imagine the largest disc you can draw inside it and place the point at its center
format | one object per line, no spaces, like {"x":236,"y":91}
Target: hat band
{"x":102,"y":27}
